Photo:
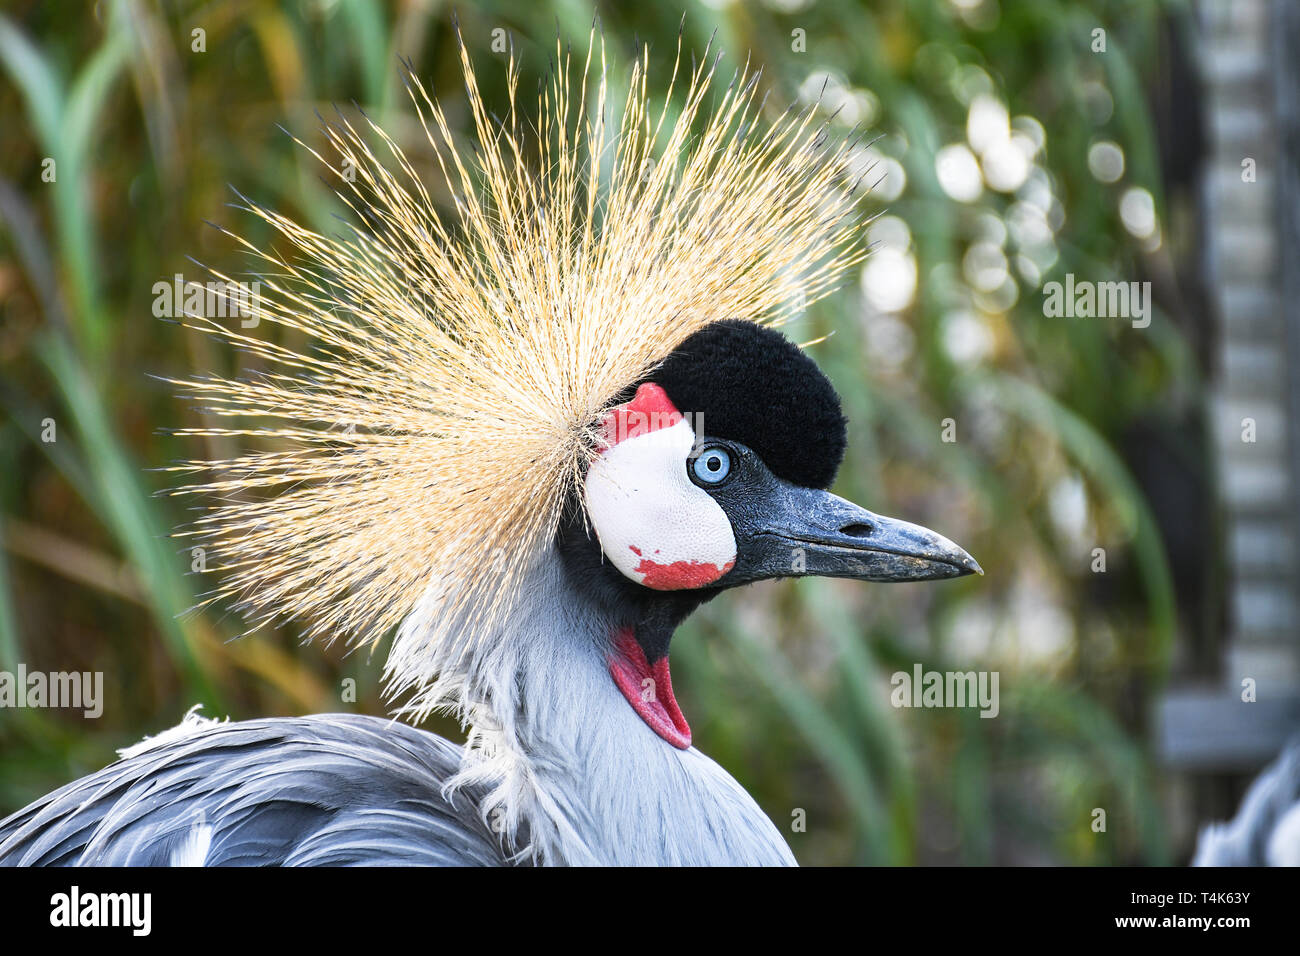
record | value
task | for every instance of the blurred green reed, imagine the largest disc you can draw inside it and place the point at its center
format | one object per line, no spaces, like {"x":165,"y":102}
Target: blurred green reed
{"x":788,"y":684}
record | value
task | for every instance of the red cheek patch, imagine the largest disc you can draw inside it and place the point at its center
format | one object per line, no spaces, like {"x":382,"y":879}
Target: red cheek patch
{"x":650,"y":410}
{"x":677,"y":575}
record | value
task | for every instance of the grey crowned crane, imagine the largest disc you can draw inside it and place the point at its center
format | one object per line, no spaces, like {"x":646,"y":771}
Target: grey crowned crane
{"x":529,"y":437}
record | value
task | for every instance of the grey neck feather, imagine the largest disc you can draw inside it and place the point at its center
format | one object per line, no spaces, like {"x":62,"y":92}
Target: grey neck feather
{"x":565,"y":756}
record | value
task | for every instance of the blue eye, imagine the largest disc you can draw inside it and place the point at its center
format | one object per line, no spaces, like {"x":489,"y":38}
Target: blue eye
{"x":712,"y":465}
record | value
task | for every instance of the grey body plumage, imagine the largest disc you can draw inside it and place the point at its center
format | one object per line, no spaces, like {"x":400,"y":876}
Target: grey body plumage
{"x":573,"y":777}
{"x":330,"y":789}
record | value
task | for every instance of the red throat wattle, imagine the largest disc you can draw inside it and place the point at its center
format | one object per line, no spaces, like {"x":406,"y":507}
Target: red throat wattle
{"x":654,"y":701}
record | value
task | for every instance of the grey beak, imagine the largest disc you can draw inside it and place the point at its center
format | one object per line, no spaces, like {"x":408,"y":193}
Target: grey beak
{"x":806,"y":531}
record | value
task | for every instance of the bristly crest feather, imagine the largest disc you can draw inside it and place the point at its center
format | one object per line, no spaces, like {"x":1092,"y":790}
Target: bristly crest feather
{"x":424,"y":444}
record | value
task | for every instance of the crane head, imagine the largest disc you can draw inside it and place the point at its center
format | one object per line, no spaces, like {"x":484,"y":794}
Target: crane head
{"x":714,"y":473}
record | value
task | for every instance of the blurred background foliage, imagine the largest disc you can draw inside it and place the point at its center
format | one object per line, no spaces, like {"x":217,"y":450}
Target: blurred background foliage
{"x":1010,"y":152}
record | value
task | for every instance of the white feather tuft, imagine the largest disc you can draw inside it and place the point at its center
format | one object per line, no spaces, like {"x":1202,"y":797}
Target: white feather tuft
{"x":193,"y":848}
{"x":191,"y":723}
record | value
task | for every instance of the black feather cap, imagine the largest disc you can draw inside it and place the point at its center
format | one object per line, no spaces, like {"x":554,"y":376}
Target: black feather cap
{"x":753,"y":385}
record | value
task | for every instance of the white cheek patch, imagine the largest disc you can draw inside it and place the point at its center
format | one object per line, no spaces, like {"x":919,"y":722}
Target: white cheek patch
{"x":654,"y":524}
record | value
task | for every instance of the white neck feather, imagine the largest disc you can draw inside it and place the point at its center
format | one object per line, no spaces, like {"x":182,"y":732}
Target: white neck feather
{"x":564,"y":755}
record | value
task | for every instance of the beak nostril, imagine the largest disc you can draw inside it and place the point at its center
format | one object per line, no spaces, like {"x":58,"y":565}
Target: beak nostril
{"x":857,"y":530}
